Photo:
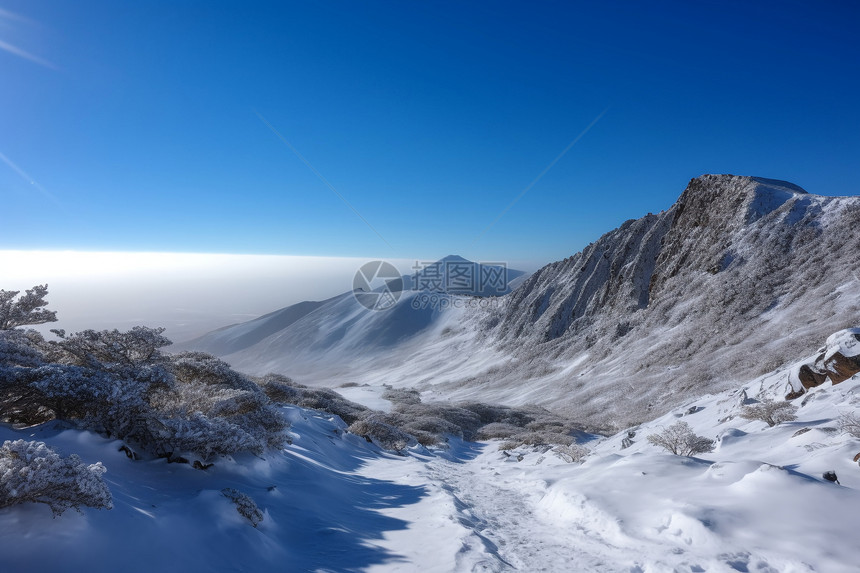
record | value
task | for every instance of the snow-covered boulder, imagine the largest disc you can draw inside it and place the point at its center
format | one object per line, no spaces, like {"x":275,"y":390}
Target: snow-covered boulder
{"x":839,"y":361}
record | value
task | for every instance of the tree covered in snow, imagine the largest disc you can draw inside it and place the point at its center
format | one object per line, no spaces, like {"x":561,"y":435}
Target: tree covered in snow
{"x":850,"y":424}
{"x":27,"y":309}
{"x":33,"y":472}
{"x":122,"y":385}
{"x":771,"y":412}
{"x":679,"y":439}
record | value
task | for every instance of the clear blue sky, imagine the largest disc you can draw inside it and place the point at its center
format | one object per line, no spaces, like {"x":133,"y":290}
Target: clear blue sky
{"x":132,"y":126}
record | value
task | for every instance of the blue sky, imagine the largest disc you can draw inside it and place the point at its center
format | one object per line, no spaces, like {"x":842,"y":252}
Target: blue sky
{"x":136,"y":125}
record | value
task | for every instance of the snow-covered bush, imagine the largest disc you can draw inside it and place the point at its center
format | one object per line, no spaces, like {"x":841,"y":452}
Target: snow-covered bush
{"x":282,"y":390}
{"x":203,"y":436}
{"x":572,"y":453}
{"x":680,"y":440}
{"x":386,"y":436}
{"x":498,"y":430}
{"x":536,"y":439}
{"x":27,"y":309}
{"x":246,"y":506}
{"x":440,"y":419}
{"x":33,"y":472}
{"x":209,"y":393}
{"x":120,"y":384}
{"x":137,"y":347}
{"x":492,"y":413}
{"x":770,"y":412}
{"x":402,"y":396}
{"x":19,"y":354}
{"x":850,"y":424}
{"x":204,"y":369}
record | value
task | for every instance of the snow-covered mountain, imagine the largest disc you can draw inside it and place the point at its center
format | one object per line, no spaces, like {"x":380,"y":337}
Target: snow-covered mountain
{"x":739,"y":275}
{"x":313,"y":336}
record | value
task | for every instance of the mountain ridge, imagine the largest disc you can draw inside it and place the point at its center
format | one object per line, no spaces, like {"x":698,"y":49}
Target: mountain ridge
{"x":662,"y":309}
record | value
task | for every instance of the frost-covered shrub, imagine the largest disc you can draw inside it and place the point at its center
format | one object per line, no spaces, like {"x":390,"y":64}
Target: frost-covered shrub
{"x":281,"y":389}
{"x":27,"y":309}
{"x":208,"y":392}
{"x":120,"y":384}
{"x":402,"y":396}
{"x":536,"y":439}
{"x":490,"y":413}
{"x":572,"y":453}
{"x":284,"y":391}
{"x":245,"y":506}
{"x":850,"y":424}
{"x":19,"y":354}
{"x":20,"y":348}
{"x":203,"y":436}
{"x":33,"y":472}
{"x":102,"y":401}
{"x":680,"y":440}
{"x":386,"y":436}
{"x":201,"y":368}
{"x":460,"y":422}
{"x":106,"y":348}
{"x":433,"y":426}
{"x":770,"y":412}
{"x":498,"y":430}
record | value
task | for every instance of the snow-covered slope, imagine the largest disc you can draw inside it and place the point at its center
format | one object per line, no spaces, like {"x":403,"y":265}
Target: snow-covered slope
{"x":320,"y":339}
{"x":333,"y":502}
{"x":738,"y":276}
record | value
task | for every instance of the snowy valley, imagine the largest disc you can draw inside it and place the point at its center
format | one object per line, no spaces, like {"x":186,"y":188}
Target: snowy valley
{"x":525,"y":431}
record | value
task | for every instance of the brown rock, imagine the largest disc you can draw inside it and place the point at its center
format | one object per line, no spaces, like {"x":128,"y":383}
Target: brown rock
{"x":840,"y":368}
{"x":810,"y":378}
{"x":857,"y":457}
{"x":795,"y":394}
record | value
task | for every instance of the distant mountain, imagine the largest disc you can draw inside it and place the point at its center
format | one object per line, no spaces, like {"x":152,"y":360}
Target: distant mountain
{"x":737,"y":277}
{"x":311,"y":336}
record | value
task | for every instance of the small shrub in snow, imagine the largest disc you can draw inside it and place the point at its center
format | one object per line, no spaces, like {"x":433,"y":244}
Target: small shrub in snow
{"x":386,"y":436}
{"x":680,"y":440}
{"x":402,"y":396}
{"x":491,"y":413}
{"x":850,"y":424}
{"x":446,"y":419}
{"x":203,"y":436}
{"x":536,"y":439}
{"x":572,"y":453}
{"x":33,"y":472}
{"x":246,"y":506}
{"x":282,"y":390}
{"x":770,"y":412}
{"x":433,"y":426}
{"x":498,"y":430}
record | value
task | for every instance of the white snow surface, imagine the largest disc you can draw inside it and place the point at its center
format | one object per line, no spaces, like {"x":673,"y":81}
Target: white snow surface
{"x":333,"y":502}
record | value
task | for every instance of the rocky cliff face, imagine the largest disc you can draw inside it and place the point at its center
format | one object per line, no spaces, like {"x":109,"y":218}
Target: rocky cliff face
{"x":738,"y":276}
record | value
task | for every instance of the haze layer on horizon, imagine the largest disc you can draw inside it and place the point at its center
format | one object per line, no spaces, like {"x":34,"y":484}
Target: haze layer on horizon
{"x":187,"y":293}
